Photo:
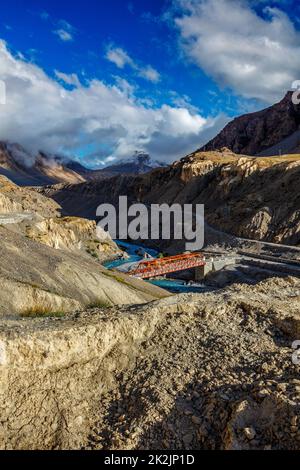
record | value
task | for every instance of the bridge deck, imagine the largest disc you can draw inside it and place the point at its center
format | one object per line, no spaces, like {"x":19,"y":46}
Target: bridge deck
{"x":170,"y":264}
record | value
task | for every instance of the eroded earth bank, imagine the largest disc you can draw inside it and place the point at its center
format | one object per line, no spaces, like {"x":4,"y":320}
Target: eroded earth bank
{"x":213,"y":371}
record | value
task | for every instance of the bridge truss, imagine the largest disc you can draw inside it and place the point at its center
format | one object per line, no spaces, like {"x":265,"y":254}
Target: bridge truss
{"x":170,"y":264}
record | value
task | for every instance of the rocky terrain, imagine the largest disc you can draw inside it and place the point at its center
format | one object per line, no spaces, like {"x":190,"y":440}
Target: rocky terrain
{"x":249,"y":197}
{"x":14,"y":199}
{"x":38,"y":218}
{"x":211,"y":371}
{"x":51,"y":265}
{"x":272,"y":131}
{"x":39,"y":279}
{"x":71,"y":233}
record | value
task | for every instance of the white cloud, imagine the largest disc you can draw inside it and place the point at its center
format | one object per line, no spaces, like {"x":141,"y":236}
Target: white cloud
{"x":256,"y":57}
{"x":121,"y":58}
{"x":40,"y":113}
{"x":183,"y":101}
{"x":69,"y":79}
{"x":149,"y":73}
{"x":63,"y":35}
{"x":65,"y":31}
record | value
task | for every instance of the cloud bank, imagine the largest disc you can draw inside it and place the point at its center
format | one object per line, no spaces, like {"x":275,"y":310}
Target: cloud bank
{"x":106,"y":122}
{"x":256,"y":57}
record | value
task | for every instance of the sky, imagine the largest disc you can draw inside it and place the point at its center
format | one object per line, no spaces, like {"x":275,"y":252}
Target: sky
{"x":97,"y":80}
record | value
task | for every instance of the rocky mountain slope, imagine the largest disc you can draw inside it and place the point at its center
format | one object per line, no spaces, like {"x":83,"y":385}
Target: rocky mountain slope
{"x":245,"y":196}
{"x":35,"y":277}
{"x":211,"y":371}
{"x":52,"y":264}
{"x":272,"y":131}
{"x":25,"y":170}
{"x":38,"y":218}
{"x":137,"y":165}
{"x":14,"y":199}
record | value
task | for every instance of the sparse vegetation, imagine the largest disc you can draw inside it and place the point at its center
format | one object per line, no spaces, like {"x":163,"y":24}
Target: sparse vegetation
{"x":92,"y":253}
{"x":99,"y":304}
{"x":63,"y":220}
{"x":118,"y":278}
{"x":41,"y":312}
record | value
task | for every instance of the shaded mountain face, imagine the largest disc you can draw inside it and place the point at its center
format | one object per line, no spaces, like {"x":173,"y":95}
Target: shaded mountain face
{"x":272,"y":131}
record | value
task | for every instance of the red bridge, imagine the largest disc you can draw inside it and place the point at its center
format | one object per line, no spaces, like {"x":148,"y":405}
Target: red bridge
{"x":171,"y":264}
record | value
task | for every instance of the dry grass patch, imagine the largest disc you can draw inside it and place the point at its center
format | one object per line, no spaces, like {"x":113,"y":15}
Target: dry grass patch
{"x":42,"y":312}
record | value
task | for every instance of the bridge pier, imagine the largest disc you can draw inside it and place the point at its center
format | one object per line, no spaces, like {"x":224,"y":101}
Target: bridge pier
{"x":199,"y":273}
{"x":213,"y":265}
{"x":202,"y":271}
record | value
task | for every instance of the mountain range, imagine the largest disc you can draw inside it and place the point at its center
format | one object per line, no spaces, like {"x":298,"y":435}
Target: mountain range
{"x":45,"y":169}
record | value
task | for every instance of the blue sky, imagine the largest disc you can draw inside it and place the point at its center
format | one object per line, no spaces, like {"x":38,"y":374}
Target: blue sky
{"x":179,"y":68}
{"x":138,"y":26}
